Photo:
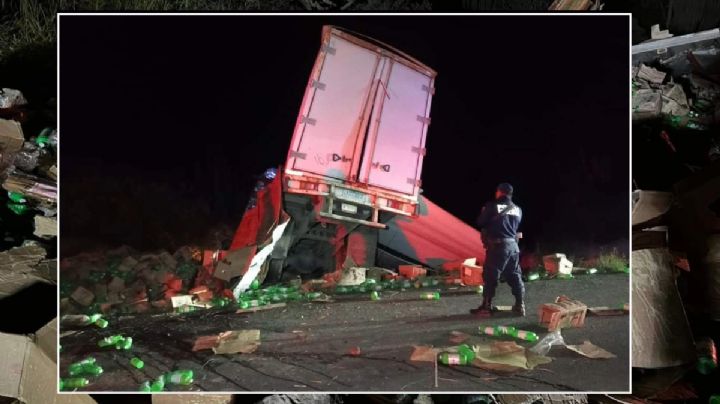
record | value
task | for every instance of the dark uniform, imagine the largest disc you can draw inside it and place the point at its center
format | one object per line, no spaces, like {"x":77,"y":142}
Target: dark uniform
{"x":499,"y":222}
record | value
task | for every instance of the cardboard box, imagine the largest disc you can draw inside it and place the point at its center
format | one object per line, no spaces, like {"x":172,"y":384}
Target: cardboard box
{"x":29,"y":371}
{"x":557,"y":264}
{"x":11,"y":137}
{"x":563,"y":313}
{"x":192,"y":399}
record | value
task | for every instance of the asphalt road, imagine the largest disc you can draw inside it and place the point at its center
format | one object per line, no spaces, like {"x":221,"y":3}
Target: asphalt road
{"x":305,"y":346}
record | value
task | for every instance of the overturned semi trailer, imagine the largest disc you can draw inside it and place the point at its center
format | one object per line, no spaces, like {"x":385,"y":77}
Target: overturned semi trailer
{"x":349,"y":191}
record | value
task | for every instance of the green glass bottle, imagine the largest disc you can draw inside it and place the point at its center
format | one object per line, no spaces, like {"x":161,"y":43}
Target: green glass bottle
{"x":75,"y":382}
{"x":255,"y":285}
{"x":101,"y":323}
{"x":17,"y":208}
{"x":137,"y":363}
{"x":17,"y":197}
{"x":158,"y":384}
{"x":523,"y":335}
{"x":182,"y":377}
{"x":430,"y":296}
{"x":707,"y":356}
{"x":466,"y":351}
{"x":452,"y":358}
{"x":374,"y":295}
{"x":145,"y":387}
{"x":109,"y":341}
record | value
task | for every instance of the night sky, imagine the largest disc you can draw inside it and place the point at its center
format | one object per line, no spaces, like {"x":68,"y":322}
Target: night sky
{"x":165,"y":121}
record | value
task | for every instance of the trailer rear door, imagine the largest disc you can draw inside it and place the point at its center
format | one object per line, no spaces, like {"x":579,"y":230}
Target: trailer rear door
{"x":396,"y":140}
{"x":325,"y":141}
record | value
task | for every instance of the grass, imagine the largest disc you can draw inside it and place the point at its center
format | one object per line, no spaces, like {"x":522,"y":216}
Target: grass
{"x":612,"y":262}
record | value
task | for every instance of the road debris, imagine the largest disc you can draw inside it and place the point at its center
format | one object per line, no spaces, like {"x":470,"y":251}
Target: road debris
{"x":564,"y":312}
{"x":241,"y":341}
{"x":423,"y":353}
{"x":589,"y":350}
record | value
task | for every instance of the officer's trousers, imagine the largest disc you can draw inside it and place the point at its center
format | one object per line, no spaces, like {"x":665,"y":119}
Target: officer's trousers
{"x":503,"y":258}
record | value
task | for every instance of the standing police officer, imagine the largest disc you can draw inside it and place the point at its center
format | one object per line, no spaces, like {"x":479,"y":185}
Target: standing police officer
{"x":498,"y":222}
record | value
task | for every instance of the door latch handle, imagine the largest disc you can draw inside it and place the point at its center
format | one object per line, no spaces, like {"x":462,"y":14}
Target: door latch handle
{"x":384,"y":167}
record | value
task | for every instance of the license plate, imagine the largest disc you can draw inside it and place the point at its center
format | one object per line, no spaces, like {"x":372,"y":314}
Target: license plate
{"x":352,"y":196}
{"x":348,"y":208}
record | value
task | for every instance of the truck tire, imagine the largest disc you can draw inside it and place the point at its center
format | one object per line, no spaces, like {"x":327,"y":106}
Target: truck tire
{"x":274,"y":270}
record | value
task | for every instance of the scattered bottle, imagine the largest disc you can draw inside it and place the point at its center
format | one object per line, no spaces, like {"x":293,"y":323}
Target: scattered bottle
{"x":145,"y":387}
{"x":255,"y":285}
{"x":83,"y":367}
{"x":183,"y":377}
{"x":497,"y":331}
{"x":61,"y":385}
{"x":17,"y":209}
{"x":313,"y":295}
{"x":124,"y":343}
{"x":707,"y":356}
{"x":158,"y":384}
{"x":17,"y":197}
{"x":94,"y":318}
{"x":137,"y":363}
{"x":467,"y":352}
{"x":75,"y":382}
{"x":93,"y":370}
{"x":479,"y":290}
{"x":246,"y":304}
{"x":109,"y":341}
{"x":341,"y":290}
{"x":430,"y":296}
{"x":523,"y":335}
{"x":48,"y":137}
{"x":533,"y":276}
{"x":374,"y":295}
{"x":452,"y":358}
{"x":101,"y":323}
{"x":714,"y":399}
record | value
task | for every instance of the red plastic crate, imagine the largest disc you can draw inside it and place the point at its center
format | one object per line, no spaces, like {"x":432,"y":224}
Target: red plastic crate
{"x":471,"y":275}
{"x":411,"y":271}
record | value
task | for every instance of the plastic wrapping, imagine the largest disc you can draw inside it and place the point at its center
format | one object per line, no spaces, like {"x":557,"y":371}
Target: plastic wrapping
{"x":547,"y":342}
{"x":661,"y":334}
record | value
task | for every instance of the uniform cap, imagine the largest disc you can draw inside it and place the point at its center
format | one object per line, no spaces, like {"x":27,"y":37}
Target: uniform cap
{"x":506,"y":188}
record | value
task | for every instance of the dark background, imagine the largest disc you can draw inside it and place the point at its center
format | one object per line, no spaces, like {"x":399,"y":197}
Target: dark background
{"x":167,"y":120}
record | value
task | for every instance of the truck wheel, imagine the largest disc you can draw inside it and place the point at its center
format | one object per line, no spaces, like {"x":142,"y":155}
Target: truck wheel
{"x":274,"y":270}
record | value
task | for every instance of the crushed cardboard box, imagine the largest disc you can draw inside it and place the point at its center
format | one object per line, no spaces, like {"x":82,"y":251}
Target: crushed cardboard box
{"x":29,"y":369}
{"x":192,"y":399}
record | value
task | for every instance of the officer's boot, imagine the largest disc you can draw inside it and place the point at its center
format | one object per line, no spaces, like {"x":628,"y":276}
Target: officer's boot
{"x":519,"y":307}
{"x":485,"y":310}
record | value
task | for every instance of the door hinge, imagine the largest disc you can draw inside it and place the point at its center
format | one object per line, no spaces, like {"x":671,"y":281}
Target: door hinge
{"x":413,"y":181}
{"x":307,"y":120}
{"x":424,"y":119}
{"x":298,"y":155}
{"x":428,"y":89}
{"x":419,"y":150}
{"x":318,"y":85}
{"x":328,"y":49}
